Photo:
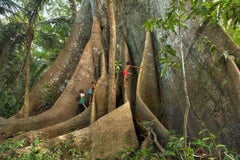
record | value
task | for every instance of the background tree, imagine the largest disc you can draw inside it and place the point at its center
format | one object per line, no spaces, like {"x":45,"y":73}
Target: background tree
{"x":50,"y":36}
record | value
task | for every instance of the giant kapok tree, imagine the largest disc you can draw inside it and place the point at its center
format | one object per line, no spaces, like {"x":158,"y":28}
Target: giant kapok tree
{"x":105,"y":32}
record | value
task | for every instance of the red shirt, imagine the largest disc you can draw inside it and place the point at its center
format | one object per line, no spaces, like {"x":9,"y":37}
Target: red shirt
{"x":125,"y":72}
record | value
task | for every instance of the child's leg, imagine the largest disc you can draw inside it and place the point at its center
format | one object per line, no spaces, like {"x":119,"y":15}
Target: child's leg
{"x":125,"y":81}
{"x":84,"y":103}
{"x":90,"y":99}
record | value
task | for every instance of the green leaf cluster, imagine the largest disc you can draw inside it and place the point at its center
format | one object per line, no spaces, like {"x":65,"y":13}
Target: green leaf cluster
{"x":166,"y":58}
{"x":224,"y":11}
{"x":118,"y":66}
{"x":172,"y":20}
{"x":8,"y":7}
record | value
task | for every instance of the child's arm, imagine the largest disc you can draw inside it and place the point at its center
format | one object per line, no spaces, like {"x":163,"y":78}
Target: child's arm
{"x":135,"y":66}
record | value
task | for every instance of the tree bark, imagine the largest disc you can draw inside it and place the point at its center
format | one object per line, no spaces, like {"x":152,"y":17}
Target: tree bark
{"x":29,"y":39}
{"x":112,"y":58}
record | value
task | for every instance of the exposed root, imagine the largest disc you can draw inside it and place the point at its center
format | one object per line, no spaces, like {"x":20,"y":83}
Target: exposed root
{"x":112,"y":57}
{"x":159,"y":146}
{"x":147,"y":91}
{"x":99,"y":105}
{"x":234,"y":74}
{"x":147,"y":142}
{"x":100,"y":137}
{"x":78,"y":122}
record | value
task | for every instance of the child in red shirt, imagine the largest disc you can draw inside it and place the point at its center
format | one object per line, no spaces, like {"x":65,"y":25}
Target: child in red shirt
{"x":126,"y":72}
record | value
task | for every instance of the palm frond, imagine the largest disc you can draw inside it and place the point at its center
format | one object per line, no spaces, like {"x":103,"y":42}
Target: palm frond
{"x":33,"y":8}
{"x":8,"y":6}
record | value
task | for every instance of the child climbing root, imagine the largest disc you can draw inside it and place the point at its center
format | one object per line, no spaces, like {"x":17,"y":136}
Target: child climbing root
{"x":126,"y":73}
{"x":91,"y":91}
{"x":82,"y":98}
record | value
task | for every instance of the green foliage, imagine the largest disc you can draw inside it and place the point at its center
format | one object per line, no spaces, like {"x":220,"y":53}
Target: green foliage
{"x":47,"y":93}
{"x":146,"y":124}
{"x":51,"y":31}
{"x":167,"y":57}
{"x":31,"y":10}
{"x":118,"y":66}
{"x":201,"y":148}
{"x":10,"y":101}
{"x":8,"y":148}
{"x":235,"y":34}
{"x":7,"y":7}
{"x":172,"y":20}
{"x":207,"y":143}
{"x":10,"y":69}
{"x":224,"y":11}
{"x":11,"y":150}
{"x":141,"y":154}
{"x":11,"y":145}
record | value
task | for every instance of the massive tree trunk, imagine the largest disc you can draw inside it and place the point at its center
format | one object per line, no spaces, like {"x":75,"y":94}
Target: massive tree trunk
{"x":212,"y":78}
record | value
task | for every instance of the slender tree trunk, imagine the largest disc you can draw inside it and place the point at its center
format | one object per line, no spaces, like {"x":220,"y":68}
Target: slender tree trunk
{"x":29,"y":39}
{"x":112,"y":55}
{"x":27,"y":85}
{"x":187,"y":100}
{"x":188,"y":106}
